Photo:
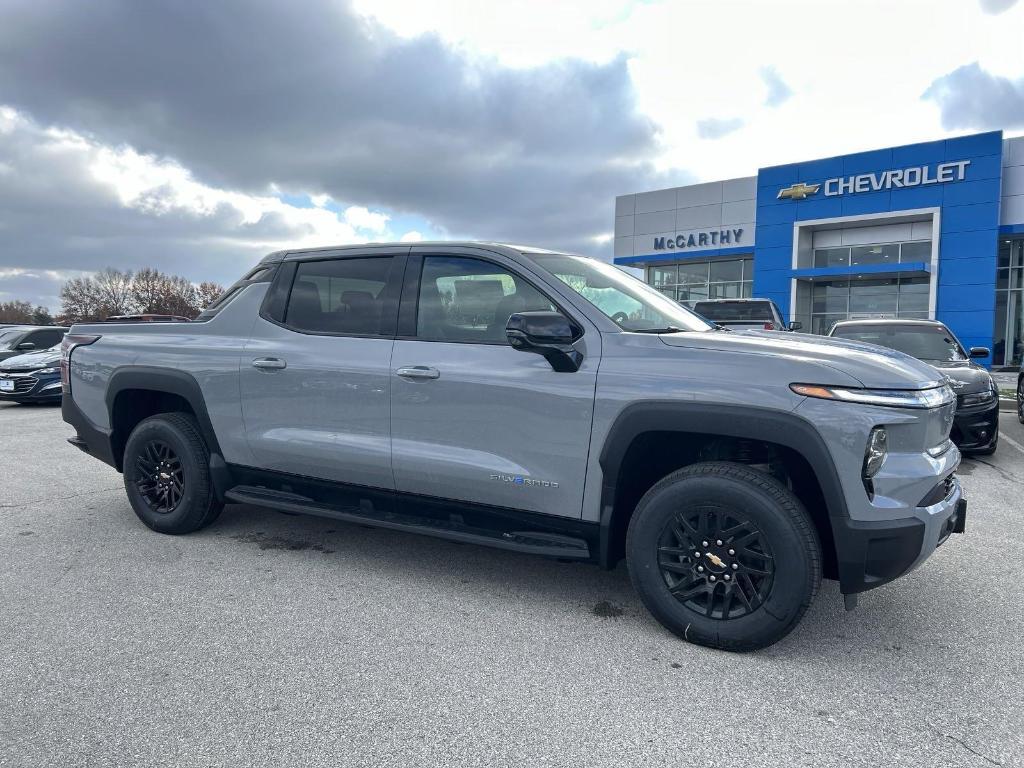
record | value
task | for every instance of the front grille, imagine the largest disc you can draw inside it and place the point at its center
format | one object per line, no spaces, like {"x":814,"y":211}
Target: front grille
{"x":22,"y":384}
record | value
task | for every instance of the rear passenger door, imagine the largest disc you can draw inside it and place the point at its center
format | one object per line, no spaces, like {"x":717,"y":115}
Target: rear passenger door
{"x":315,"y":375}
{"x":472,"y":418}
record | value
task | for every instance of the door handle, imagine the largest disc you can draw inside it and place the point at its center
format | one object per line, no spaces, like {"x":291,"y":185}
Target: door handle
{"x":418,"y":372}
{"x":269,"y":363}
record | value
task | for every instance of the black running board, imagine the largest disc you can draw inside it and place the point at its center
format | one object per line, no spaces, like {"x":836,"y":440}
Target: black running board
{"x":452,"y":529}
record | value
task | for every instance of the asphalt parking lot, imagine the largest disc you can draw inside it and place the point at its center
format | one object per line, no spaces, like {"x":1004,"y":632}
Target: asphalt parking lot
{"x":269,"y":640}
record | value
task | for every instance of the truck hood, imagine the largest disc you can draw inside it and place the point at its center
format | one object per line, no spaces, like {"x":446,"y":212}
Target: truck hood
{"x":968,"y":377}
{"x":872,"y":366}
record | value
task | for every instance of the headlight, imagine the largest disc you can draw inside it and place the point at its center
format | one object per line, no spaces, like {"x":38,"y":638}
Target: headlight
{"x":875,"y":452}
{"x":978,"y":398}
{"x":44,"y":371}
{"x":898,"y":398}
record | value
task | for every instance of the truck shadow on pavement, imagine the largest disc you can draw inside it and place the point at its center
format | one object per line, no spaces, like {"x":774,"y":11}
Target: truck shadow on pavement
{"x":916,"y":611}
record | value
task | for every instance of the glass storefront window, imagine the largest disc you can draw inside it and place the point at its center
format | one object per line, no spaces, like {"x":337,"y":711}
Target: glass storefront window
{"x":726,"y":290}
{"x":692,"y":293}
{"x":831,"y":257}
{"x":660,"y":276}
{"x":694,"y":273}
{"x":873,"y":297}
{"x":691,"y":281}
{"x":831,"y":296}
{"x":918,"y":251}
{"x":821,"y":324}
{"x":833,"y":300}
{"x":1008,"y":334}
{"x":726,"y":271}
{"x":874,"y":254}
{"x":913,"y":295}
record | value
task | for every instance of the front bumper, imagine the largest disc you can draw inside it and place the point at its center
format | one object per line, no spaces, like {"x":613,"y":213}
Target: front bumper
{"x":874,"y":552}
{"x":28,"y":388}
{"x":976,"y":428}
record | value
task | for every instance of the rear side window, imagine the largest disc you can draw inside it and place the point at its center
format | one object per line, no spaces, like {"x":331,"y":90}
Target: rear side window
{"x":344,"y":296}
{"x":735,"y":311}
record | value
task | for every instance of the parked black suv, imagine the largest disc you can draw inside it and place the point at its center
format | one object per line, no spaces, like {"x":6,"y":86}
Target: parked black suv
{"x":976,"y":424}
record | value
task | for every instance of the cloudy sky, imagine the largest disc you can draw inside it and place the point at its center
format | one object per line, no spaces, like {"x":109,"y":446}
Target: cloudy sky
{"x":195,"y":137}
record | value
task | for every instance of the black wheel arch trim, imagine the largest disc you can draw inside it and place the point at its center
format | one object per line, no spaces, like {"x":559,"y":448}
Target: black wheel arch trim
{"x":749,"y":422}
{"x":163,"y":380}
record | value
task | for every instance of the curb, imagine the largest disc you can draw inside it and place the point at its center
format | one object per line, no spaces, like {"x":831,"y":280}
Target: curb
{"x":1006,"y":404}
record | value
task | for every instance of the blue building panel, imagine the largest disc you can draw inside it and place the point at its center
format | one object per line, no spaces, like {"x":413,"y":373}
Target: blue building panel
{"x":971,"y":192}
{"x":978,"y":270}
{"x":960,"y":178}
{"x":919,"y":154}
{"x":971,"y":218}
{"x":975,"y":145}
{"x":956,"y":181}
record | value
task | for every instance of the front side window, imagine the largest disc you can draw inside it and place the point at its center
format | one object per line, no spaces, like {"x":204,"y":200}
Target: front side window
{"x":925,"y":342}
{"x":343,"y":296}
{"x":470,"y":300}
{"x":631,"y":304}
{"x":44,"y":339}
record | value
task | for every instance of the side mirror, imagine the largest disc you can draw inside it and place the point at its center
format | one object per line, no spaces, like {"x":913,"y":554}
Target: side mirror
{"x":796,"y":325}
{"x":545,"y":333}
{"x":26,"y":345}
{"x":980,"y":351}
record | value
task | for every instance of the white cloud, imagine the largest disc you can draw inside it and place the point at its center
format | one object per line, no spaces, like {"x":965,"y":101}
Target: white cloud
{"x":856,"y":71}
{"x":361,"y":217}
{"x":412,"y":236}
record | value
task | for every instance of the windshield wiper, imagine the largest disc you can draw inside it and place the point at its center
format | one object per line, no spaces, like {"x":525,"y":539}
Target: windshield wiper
{"x":666,"y":329}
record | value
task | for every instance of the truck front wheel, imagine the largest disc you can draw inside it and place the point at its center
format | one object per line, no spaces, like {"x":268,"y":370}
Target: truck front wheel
{"x":724,"y":555}
{"x":167,"y":475}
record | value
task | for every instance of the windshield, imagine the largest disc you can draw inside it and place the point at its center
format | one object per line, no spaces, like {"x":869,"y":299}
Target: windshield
{"x":735,"y":311}
{"x":630,"y":303}
{"x":8,"y":338}
{"x":925,"y":342}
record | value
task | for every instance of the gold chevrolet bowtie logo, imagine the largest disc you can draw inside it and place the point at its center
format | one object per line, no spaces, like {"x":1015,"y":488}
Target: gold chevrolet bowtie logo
{"x":715,"y":560}
{"x":798,"y":191}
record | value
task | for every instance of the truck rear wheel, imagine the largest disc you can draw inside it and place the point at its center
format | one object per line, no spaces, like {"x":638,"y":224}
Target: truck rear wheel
{"x":167,"y":475}
{"x":724,"y":556}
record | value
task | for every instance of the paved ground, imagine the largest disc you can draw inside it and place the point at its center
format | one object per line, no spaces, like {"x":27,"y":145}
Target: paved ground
{"x":270,"y":640}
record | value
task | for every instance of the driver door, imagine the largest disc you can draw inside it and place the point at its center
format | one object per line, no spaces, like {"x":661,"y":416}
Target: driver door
{"x":472,"y":418}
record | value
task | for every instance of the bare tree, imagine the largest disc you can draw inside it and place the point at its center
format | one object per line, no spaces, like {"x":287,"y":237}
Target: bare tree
{"x":79,"y":301}
{"x":23,"y":313}
{"x":207,"y":293}
{"x":178,"y":297}
{"x":114,"y":291}
{"x":149,"y":291}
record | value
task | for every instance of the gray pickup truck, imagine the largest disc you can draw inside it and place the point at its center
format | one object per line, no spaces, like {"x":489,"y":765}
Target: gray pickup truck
{"x":538,"y":402}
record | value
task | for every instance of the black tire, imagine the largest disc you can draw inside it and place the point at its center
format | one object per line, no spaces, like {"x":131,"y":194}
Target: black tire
{"x":695,"y":501}
{"x":1020,"y":399}
{"x":176,"y":495}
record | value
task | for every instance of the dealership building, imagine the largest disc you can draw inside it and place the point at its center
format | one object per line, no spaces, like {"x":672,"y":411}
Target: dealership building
{"x":933,"y":230}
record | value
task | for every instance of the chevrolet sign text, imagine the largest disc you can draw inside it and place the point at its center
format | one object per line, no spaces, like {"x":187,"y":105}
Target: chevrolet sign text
{"x":918,"y":176}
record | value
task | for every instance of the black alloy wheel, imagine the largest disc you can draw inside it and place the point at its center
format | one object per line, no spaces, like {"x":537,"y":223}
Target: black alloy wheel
{"x":167,"y":474}
{"x":1020,"y":399}
{"x":724,"y":555}
{"x":716,"y":562}
{"x":160,"y":478}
